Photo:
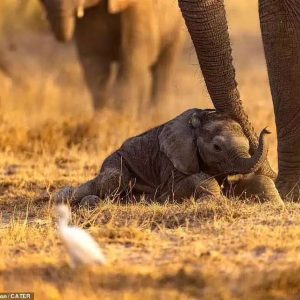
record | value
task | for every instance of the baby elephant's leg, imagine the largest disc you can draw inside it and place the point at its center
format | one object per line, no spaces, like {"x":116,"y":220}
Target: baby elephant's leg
{"x":197,"y":185}
{"x":112,"y":180}
{"x":258,"y":186}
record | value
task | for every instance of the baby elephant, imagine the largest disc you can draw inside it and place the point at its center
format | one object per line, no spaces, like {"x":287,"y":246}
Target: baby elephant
{"x":191,"y":155}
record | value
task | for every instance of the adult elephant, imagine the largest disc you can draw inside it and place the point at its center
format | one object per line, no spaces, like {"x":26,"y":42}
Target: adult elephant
{"x":138,"y":35}
{"x":280,"y":26}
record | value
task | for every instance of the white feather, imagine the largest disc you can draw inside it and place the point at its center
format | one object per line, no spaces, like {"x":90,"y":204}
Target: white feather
{"x":81,"y":247}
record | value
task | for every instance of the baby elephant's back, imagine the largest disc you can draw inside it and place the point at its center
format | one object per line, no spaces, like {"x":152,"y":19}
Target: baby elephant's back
{"x":142,"y":155}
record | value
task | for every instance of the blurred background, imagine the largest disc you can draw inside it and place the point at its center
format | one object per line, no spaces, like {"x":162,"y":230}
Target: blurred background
{"x":45,"y":104}
{"x":51,"y":138}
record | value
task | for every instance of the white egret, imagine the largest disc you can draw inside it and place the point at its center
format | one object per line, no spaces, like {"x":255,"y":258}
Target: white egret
{"x":81,"y":247}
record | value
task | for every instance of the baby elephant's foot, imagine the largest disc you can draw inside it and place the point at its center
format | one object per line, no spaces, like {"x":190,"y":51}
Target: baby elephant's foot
{"x":198,"y":186}
{"x":207,"y":188}
{"x":259,"y":186}
{"x":90,"y":201}
{"x":65,"y":195}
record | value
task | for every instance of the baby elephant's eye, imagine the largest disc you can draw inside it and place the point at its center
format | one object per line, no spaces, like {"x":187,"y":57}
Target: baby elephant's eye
{"x":217,"y":148}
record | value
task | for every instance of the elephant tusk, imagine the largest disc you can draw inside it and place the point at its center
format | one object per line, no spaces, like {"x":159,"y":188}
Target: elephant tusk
{"x":80,"y":11}
{"x":80,"y":8}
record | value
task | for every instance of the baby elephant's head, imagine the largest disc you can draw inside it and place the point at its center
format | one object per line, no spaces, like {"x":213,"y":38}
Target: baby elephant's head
{"x":223,"y":146}
{"x":204,"y":138}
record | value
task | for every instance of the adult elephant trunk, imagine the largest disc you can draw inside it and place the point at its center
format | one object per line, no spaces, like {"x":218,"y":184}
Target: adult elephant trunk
{"x":207,"y":25}
{"x":61,"y":15}
{"x":246,"y":164}
{"x":63,"y":28}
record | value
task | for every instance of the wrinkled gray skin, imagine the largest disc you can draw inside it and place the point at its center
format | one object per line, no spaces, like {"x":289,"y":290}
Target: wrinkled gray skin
{"x":136,"y":35}
{"x":280,"y":26}
{"x":190,"y":155}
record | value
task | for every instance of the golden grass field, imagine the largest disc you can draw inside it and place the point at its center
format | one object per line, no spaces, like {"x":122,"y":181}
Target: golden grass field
{"x":215,"y":249}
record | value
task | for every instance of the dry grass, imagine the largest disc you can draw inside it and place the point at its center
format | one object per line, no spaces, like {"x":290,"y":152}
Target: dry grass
{"x":48,"y":138}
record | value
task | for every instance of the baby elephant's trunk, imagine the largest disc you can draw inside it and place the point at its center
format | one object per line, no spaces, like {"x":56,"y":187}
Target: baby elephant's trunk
{"x":246,"y":165}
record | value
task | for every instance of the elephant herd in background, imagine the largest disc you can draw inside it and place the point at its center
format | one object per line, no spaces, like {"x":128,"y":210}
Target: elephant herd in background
{"x":145,"y":37}
{"x":137,"y":35}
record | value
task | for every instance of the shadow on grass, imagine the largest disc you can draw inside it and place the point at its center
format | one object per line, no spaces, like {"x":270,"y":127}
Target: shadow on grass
{"x":108,"y":278}
{"x":266,"y":284}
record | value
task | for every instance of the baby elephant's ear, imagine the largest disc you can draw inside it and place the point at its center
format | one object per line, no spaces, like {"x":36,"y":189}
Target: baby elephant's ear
{"x":195,"y":120}
{"x":176,"y":140}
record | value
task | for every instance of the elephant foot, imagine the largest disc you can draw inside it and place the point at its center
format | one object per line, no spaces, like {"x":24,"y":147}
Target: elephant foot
{"x":289,"y":189}
{"x":259,"y":187}
{"x":65,"y":195}
{"x":90,"y":201}
{"x":211,"y":197}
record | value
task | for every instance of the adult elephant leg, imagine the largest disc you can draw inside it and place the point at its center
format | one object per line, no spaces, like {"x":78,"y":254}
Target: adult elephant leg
{"x":133,"y":79}
{"x":280,"y":25}
{"x":132,"y":86}
{"x":207,"y":24}
{"x":96,"y":67}
{"x":97,"y":40}
{"x":97,"y":75}
{"x":162,"y":71}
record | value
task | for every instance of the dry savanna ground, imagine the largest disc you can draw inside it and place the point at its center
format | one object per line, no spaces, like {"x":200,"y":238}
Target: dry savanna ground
{"x":225,"y":249}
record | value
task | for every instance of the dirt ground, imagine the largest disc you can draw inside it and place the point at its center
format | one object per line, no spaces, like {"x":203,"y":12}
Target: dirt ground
{"x":49,"y":138}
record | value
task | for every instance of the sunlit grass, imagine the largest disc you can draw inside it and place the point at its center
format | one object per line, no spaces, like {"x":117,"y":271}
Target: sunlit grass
{"x":217,"y":249}
{"x":196,"y":249}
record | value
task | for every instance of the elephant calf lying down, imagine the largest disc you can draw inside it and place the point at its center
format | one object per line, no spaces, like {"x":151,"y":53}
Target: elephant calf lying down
{"x":191,"y":155}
